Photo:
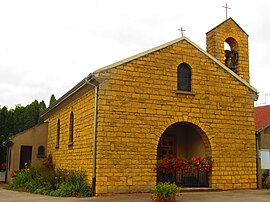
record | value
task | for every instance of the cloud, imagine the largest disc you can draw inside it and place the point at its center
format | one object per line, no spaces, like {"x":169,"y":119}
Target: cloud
{"x":49,"y":46}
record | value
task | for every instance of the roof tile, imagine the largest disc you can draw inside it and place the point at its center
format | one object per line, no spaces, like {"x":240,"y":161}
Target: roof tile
{"x":262,"y":117}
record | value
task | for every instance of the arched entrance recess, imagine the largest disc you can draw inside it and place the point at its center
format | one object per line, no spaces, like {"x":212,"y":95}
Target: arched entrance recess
{"x":183,"y":140}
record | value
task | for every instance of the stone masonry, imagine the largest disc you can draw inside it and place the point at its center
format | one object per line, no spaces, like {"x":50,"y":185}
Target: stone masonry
{"x":138,"y":100}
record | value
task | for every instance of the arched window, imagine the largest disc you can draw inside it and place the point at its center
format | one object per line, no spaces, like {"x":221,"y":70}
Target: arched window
{"x":58,"y":134}
{"x":41,"y":151}
{"x":71,"y":128}
{"x":183,"y":77}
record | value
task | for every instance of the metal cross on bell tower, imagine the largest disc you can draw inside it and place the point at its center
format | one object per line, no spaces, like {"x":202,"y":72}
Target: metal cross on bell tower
{"x":226,"y":7}
{"x":182,"y":31}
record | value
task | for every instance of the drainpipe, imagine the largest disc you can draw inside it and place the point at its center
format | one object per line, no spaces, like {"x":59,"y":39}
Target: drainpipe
{"x":258,"y":163}
{"x":7,"y":161}
{"x":94,"y":133}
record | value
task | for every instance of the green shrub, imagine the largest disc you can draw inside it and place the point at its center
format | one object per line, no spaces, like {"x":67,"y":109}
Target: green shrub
{"x":75,"y":185}
{"x":28,"y":179}
{"x":51,"y":182}
{"x":164,"y":192}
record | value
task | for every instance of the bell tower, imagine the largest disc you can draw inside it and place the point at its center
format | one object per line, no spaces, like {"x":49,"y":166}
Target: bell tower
{"x":228,"y":43}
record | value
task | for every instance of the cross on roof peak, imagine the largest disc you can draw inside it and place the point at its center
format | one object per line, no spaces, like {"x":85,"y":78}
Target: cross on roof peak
{"x":182,"y":31}
{"x":226,"y":7}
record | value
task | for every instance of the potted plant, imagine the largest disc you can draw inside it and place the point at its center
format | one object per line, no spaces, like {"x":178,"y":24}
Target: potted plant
{"x":164,"y":192}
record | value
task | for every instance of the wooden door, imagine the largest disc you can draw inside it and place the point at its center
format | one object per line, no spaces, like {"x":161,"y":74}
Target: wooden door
{"x":166,"y":150}
{"x":166,"y":147}
{"x":25,"y":156}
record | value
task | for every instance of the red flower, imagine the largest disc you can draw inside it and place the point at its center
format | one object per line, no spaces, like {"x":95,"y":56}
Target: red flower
{"x":167,"y":165}
{"x":3,"y":166}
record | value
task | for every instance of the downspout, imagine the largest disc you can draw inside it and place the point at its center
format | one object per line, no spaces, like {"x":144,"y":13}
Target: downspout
{"x":94,"y":133}
{"x":7,"y":161}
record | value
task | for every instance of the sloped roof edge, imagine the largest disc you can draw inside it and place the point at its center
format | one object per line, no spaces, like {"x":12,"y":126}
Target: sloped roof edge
{"x":139,"y":55}
{"x":262,"y":118}
{"x":66,"y":95}
{"x":226,"y":21}
{"x":9,"y":140}
{"x":262,"y":128}
{"x":168,"y":44}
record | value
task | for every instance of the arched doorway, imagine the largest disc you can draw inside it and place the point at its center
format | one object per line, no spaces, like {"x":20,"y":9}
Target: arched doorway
{"x":181,"y":142}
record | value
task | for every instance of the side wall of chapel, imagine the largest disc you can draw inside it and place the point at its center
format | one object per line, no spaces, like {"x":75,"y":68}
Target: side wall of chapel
{"x":79,"y":155}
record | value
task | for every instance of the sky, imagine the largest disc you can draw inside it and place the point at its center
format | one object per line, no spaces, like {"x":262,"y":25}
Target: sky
{"x":48,"y":46}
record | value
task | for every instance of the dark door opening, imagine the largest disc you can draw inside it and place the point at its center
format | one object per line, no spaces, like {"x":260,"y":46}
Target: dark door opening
{"x":25,"y":156}
{"x":179,"y":143}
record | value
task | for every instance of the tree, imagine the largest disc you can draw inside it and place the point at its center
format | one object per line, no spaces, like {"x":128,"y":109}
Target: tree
{"x":6,"y":122}
{"x":6,"y":127}
{"x":3,"y":150}
{"x":31,"y":115}
{"x":17,"y":120}
{"x":42,"y":106}
{"x":52,"y":100}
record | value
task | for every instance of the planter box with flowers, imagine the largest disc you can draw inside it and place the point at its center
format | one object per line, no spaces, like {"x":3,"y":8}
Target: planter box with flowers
{"x":175,"y":170}
{"x":3,"y":172}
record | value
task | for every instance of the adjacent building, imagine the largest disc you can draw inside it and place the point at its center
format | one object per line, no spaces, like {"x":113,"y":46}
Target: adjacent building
{"x":27,"y":147}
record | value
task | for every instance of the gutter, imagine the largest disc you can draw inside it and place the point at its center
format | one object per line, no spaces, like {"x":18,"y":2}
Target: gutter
{"x":94,"y":158}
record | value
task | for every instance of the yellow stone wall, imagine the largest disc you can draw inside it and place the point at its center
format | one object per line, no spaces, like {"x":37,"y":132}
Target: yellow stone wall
{"x":78,"y":156}
{"x":140,"y":101}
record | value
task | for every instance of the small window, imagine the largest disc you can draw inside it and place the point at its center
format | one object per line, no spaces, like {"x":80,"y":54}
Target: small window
{"x":41,"y":152}
{"x":71,"y":129}
{"x":183,"y":77}
{"x":58,"y":134}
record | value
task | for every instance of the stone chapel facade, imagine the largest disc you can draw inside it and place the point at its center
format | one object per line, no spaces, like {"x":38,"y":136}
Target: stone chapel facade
{"x":111,"y":122}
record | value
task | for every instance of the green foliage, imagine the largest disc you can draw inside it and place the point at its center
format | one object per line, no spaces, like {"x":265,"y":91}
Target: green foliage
{"x":6,"y":127}
{"x":27,"y":179}
{"x":264,"y":177}
{"x":75,"y":184}
{"x":51,"y":182}
{"x":42,"y":106}
{"x":165,"y":191}
{"x":52,"y":100}
{"x":17,"y":120}
{"x":267,"y":183}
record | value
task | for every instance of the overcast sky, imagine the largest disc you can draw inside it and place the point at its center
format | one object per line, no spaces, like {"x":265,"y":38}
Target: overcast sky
{"x":48,"y":46}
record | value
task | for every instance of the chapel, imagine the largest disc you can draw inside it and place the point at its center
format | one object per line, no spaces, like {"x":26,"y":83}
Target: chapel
{"x":173,"y":101}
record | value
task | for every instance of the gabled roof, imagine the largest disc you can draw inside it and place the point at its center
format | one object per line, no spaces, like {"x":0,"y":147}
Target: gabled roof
{"x":229,"y":19}
{"x":171,"y":43}
{"x":96,"y":73}
{"x":262,"y":117}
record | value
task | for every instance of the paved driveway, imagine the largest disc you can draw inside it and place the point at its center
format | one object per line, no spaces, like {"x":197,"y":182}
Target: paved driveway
{"x":223,"y":196}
